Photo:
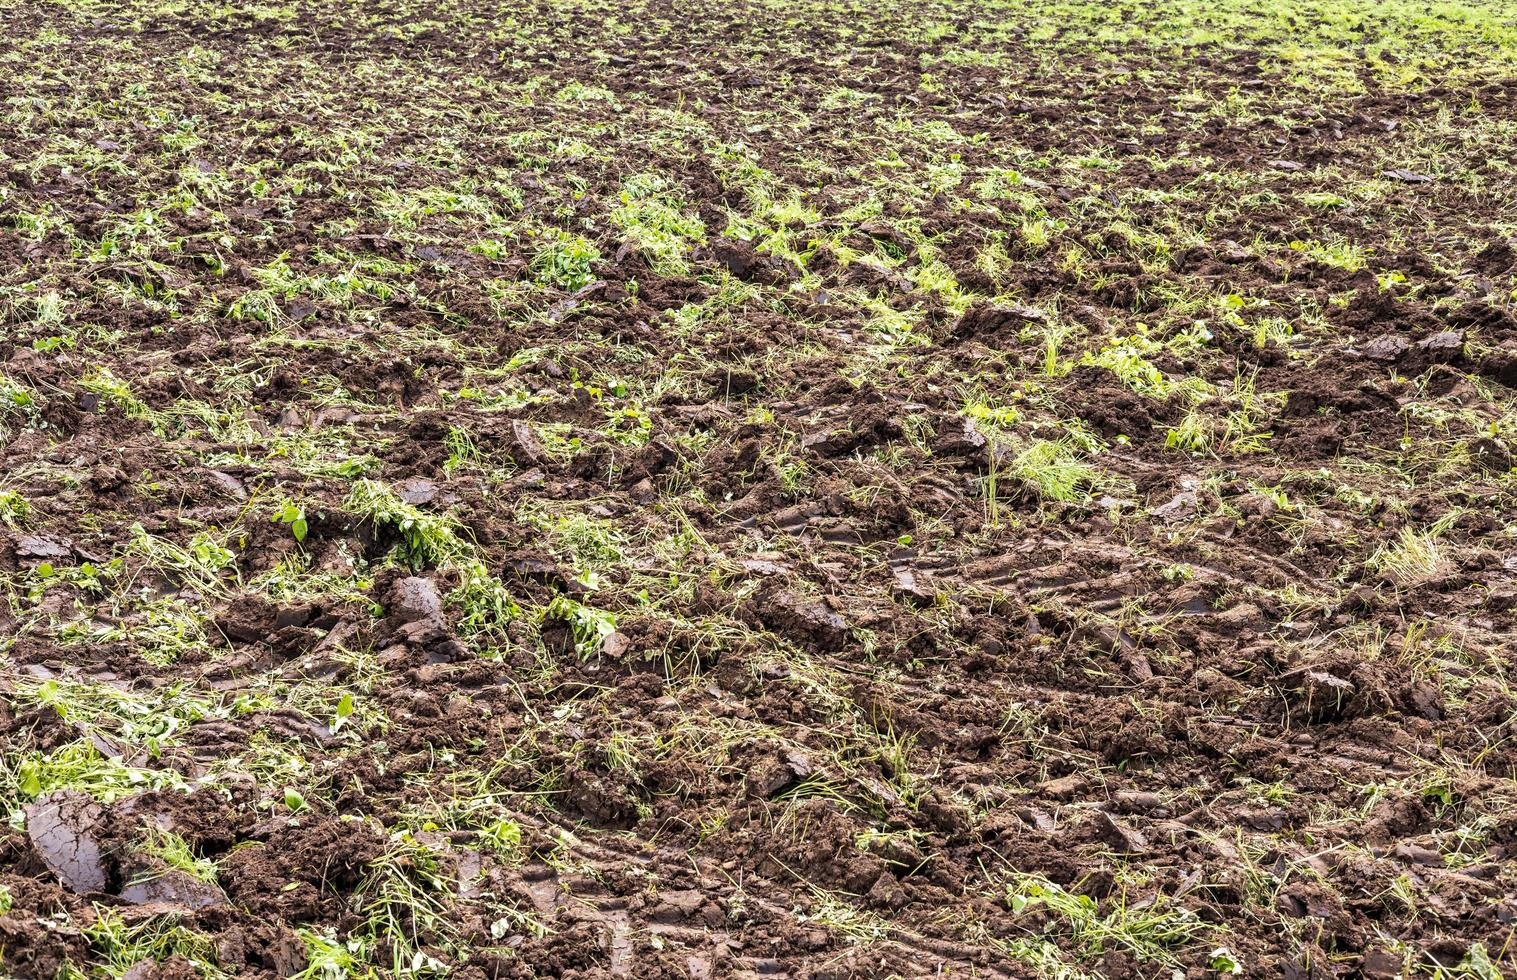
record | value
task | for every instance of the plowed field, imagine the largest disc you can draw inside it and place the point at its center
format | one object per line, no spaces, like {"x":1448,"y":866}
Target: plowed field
{"x":816,"y":489}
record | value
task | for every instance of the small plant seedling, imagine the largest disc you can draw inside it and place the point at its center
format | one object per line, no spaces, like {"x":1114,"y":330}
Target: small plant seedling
{"x":293,"y":516}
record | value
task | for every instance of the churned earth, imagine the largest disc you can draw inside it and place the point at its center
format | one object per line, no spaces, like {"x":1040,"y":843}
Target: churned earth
{"x":818,"y":489}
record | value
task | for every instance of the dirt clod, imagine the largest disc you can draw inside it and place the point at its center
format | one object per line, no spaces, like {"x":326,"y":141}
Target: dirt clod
{"x":62,"y":828}
{"x":416,"y":600}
